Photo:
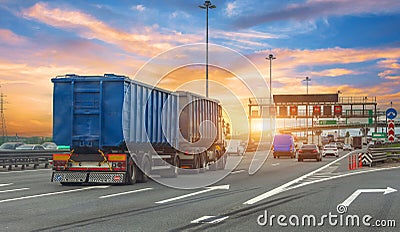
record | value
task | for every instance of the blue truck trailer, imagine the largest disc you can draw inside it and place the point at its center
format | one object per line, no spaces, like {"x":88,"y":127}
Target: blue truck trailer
{"x":120,"y":130}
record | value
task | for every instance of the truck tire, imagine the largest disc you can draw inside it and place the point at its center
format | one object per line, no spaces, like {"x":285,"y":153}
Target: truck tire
{"x":145,"y":171}
{"x":196,"y":161}
{"x":221,"y":163}
{"x":173,"y":171}
{"x":203,"y":159}
{"x":213,"y":166}
{"x":132,"y":173}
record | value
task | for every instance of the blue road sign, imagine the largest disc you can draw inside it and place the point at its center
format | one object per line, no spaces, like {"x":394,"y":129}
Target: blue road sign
{"x":391,"y":113}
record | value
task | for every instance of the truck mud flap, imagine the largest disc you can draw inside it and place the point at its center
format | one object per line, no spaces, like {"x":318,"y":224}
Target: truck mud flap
{"x":89,"y":177}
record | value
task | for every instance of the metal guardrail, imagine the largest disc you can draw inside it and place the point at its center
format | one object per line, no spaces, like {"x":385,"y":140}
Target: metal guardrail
{"x":375,"y":155}
{"x":10,"y":159}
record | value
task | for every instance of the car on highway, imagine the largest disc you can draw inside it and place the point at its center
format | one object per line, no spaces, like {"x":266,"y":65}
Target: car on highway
{"x":26,"y":147}
{"x":283,"y":145}
{"x":371,"y":144}
{"x":49,"y":146}
{"x":10,"y":145}
{"x":330,"y":149}
{"x":309,"y":151}
{"x":235,"y":147}
{"x":347,"y":147}
{"x":339,"y":145}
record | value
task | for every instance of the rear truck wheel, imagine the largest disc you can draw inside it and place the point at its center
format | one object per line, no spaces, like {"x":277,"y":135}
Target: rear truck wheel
{"x":173,"y":171}
{"x":300,"y":159}
{"x":145,"y":171}
{"x":196,"y":161}
{"x":203,"y":159}
{"x":132,"y":173}
{"x":221,"y":163}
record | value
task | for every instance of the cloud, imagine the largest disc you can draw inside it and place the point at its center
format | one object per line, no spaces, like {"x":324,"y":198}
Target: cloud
{"x":148,"y":42}
{"x":312,"y":9}
{"x":180,"y":14}
{"x":389,"y":63}
{"x":230,"y":9}
{"x":140,"y":8}
{"x":334,"y":72}
{"x":9,"y":37}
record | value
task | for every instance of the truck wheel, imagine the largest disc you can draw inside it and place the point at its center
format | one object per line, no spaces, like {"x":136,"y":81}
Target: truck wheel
{"x":173,"y":171}
{"x":221,"y":163}
{"x":145,"y":171}
{"x":203,"y":165}
{"x":132,"y":173}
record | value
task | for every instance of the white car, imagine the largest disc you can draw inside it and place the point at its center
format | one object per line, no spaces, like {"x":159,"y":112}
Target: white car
{"x":347,"y":147}
{"x":330,"y":150}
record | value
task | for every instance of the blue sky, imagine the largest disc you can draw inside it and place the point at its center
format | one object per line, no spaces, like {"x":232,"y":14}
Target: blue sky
{"x":347,"y":45}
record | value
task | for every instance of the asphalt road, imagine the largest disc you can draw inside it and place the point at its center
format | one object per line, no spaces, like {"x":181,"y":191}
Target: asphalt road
{"x":29,"y":202}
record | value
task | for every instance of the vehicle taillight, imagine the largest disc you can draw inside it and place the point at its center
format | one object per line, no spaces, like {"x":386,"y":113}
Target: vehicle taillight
{"x":300,"y":151}
{"x":314,"y":151}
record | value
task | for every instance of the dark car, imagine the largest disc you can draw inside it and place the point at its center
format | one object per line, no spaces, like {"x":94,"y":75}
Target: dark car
{"x":10,"y":145}
{"x":309,"y":151}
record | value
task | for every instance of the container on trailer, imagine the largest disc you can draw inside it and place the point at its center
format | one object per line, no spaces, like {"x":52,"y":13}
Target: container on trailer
{"x":195,"y":109}
{"x":104,"y":112}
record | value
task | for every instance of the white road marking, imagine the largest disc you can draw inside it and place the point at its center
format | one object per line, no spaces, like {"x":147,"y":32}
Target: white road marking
{"x":206,"y":219}
{"x":124,"y":193}
{"x":276,"y":164}
{"x":283,"y":187}
{"x":208,"y":189}
{"x":353,"y":196}
{"x":238,"y":171}
{"x":13,"y":190}
{"x":21,"y":171}
{"x":286,"y":188}
{"x":1,"y":185}
{"x":53,"y":193}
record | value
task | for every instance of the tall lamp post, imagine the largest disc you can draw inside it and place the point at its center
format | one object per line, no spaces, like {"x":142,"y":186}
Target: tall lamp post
{"x":307,"y":80}
{"x":207,"y":5}
{"x":270,"y":58}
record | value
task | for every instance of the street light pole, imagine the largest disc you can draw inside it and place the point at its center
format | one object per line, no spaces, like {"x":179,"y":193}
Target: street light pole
{"x":206,"y":6}
{"x":307,"y":80}
{"x":270,"y":58}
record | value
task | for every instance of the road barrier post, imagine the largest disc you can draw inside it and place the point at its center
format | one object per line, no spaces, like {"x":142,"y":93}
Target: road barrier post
{"x":350,"y":162}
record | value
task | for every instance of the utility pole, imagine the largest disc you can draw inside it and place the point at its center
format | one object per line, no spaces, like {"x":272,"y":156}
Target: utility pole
{"x":3,"y":118}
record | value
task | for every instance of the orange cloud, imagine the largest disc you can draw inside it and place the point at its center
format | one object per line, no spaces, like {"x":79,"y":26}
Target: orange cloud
{"x":148,"y":43}
{"x":10,"y":38}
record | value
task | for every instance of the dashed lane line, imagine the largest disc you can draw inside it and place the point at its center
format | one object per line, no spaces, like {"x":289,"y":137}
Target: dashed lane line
{"x":53,"y":193}
{"x":125,"y":193}
{"x":13,"y":190}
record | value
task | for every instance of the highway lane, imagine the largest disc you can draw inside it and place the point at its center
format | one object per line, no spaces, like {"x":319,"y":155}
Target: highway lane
{"x":51,"y":206}
{"x":322,"y":199}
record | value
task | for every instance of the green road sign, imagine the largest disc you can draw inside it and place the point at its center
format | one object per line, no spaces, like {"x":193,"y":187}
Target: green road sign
{"x":378,"y":135}
{"x":327,"y":122}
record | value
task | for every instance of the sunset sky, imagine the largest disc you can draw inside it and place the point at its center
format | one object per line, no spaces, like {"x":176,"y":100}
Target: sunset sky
{"x":347,"y":45}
